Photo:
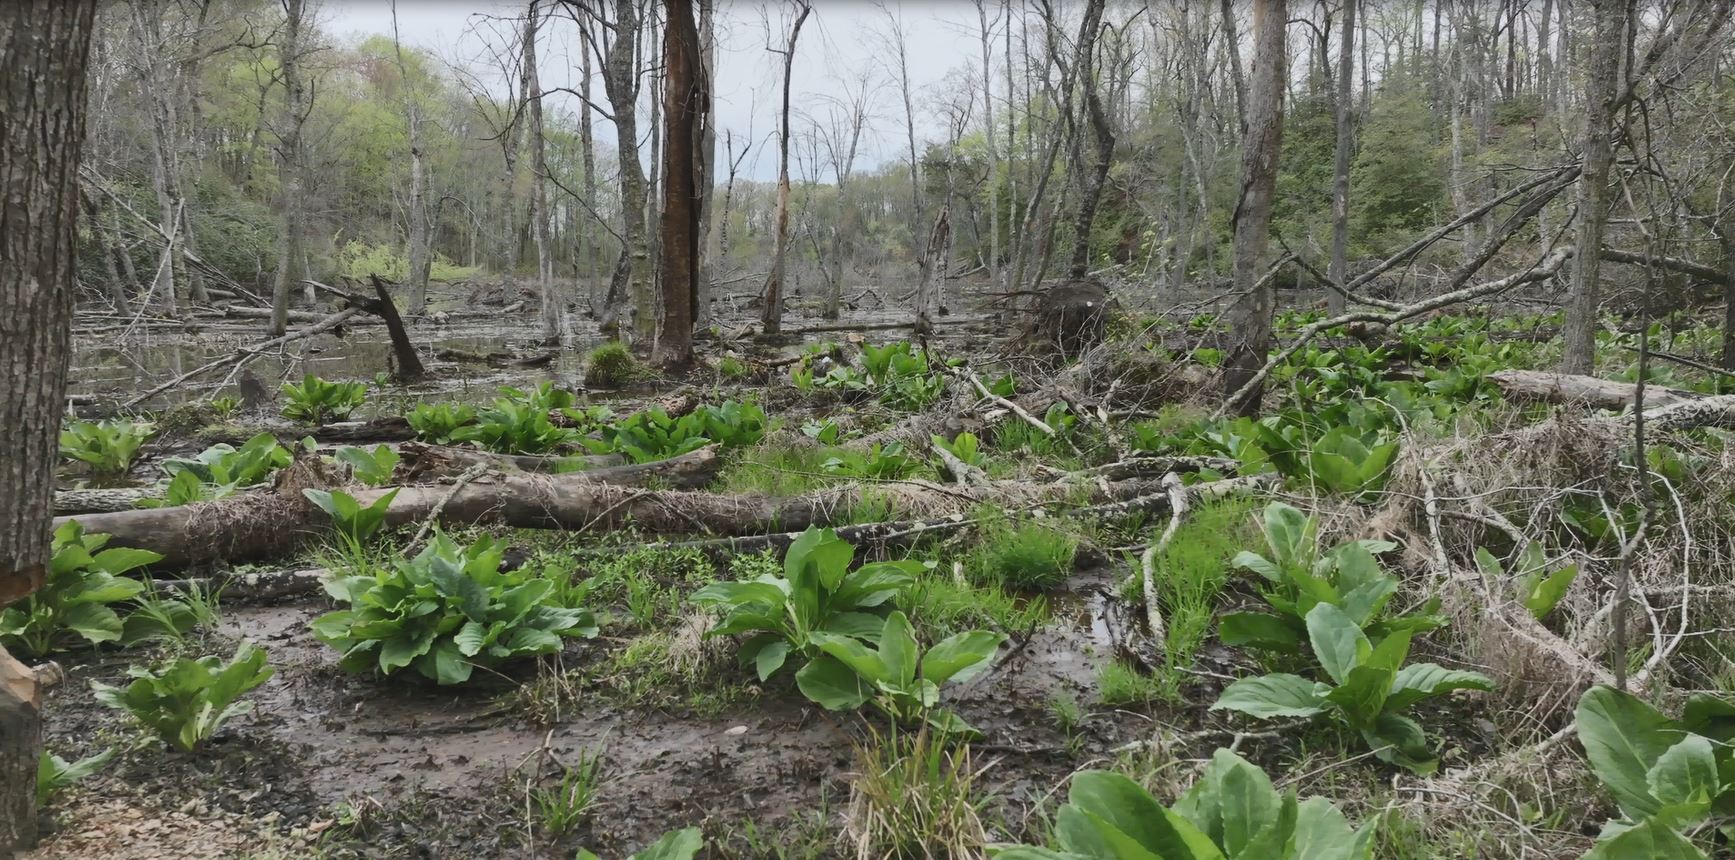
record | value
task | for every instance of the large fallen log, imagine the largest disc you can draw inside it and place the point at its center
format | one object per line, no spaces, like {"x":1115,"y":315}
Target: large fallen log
{"x":103,"y":501}
{"x":390,"y":428}
{"x":267,"y":524}
{"x":1567,"y":388}
{"x":421,"y":461}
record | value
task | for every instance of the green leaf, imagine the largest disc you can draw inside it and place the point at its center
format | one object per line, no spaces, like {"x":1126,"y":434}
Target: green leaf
{"x":1419,"y":681}
{"x":120,"y":560}
{"x":1623,"y":737}
{"x":853,"y":654}
{"x":1650,"y":840}
{"x":1322,"y":833}
{"x":1258,"y":630}
{"x":1274,"y":695}
{"x":675,"y":845}
{"x":1685,"y":774}
{"x":1400,"y":740}
{"x":770,"y":658}
{"x":469,"y":638}
{"x":1337,"y":641}
{"x":1546,"y":592}
{"x":898,"y":650}
{"x":1248,"y":805}
{"x":961,"y":656}
{"x":831,"y":684}
{"x":1116,"y":812}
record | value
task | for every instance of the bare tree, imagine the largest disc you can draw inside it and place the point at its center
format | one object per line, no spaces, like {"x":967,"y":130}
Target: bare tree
{"x":687,"y":100}
{"x":531,"y":86}
{"x":840,"y":135}
{"x":1602,"y":86}
{"x":771,"y":309}
{"x":44,"y":46}
{"x":898,"y":46}
{"x":992,"y":260}
{"x":620,"y":78}
{"x":1340,"y":175}
{"x":291,"y":261}
{"x":1250,"y":316}
{"x":1092,"y":175}
{"x":421,"y":256}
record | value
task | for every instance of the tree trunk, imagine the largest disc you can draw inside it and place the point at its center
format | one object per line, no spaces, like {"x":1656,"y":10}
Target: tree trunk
{"x":552,"y":302}
{"x":1101,"y":132}
{"x":992,"y":262}
{"x":290,"y":268}
{"x":420,"y":255}
{"x":702,"y":288}
{"x":933,"y":275}
{"x":620,"y":82}
{"x":1250,"y":316}
{"x":771,"y":310}
{"x":687,"y":99}
{"x":1340,"y":176}
{"x":1602,"y":82}
{"x":44,"y":47}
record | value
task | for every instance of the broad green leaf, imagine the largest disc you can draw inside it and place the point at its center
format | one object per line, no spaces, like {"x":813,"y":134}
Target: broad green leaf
{"x":470,"y":638}
{"x":1337,"y":641}
{"x":1274,"y":695}
{"x":853,"y":654}
{"x":1685,"y":773}
{"x":1623,"y":737}
{"x":770,"y":658}
{"x":1650,"y":840}
{"x":121,"y":560}
{"x":1400,"y":740}
{"x":1259,"y":630}
{"x":961,"y":656}
{"x":898,"y":650}
{"x":1249,"y":806}
{"x":675,"y":845}
{"x":1419,"y":681}
{"x":831,"y":684}
{"x":1322,"y":833}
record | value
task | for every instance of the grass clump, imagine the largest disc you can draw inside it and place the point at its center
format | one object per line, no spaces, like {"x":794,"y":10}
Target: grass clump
{"x":1025,"y":557}
{"x":775,"y":470}
{"x":612,"y":365}
{"x":563,"y":804}
{"x":1119,"y":684}
{"x":1193,"y":569}
{"x":942,"y":605}
{"x":915,"y":797}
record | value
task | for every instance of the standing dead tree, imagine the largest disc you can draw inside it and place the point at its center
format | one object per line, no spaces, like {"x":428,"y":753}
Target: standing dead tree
{"x":687,"y":101}
{"x":771,"y":307}
{"x":1250,"y":316}
{"x":291,"y":172}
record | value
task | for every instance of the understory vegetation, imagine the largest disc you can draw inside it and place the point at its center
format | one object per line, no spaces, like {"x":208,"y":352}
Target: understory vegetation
{"x":1378,"y":625}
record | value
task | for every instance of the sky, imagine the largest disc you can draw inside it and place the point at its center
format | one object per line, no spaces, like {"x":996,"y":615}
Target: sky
{"x":841,"y":40}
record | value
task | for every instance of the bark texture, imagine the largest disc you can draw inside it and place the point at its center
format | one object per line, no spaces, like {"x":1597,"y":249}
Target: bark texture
{"x":686,"y":95}
{"x":1250,"y":316}
{"x":44,"y":47}
{"x":1601,"y":86}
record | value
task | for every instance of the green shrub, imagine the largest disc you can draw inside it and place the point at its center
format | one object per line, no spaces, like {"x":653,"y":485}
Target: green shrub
{"x":1232,"y":813}
{"x":354,"y":523}
{"x":107,"y":447}
{"x":373,"y":468}
{"x":733,"y":369}
{"x":516,"y":427}
{"x":317,"y":401}
{"x":447,"y":611}
{"x":1027,"y":556}
{"x":1666,"y":775}
{"x":186,"y":701}
{"x":612,"y":365}
{"x":225,"y":407}
{"x":1369,"y":689}
{"x":895,"y":674}
{"x":229,"y":467}
{"x":76,"y":602}
{"x":817,"y":593}
{"x":440,"y":423}
{"x":880,"y":462}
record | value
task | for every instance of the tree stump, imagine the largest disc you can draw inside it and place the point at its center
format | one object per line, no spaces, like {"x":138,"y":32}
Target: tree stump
{"x":20,"y":749}
{"x":1070,"y":317}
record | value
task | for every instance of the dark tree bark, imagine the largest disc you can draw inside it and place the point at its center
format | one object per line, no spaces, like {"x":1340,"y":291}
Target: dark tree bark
{"x":686,"y":101}
{"x":1250,"y":317}
{"x":44,"y":46}
{"x":1601,"y":87}
{"x":620,"y":81}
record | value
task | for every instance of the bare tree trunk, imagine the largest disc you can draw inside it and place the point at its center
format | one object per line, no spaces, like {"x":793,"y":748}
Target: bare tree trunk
{"x":621,"y":82}
{"x":1602,"y":83}
{"x":933,"y":274}
{"x":1232,"y":48}
{"x":1340,"y":177}
{"x":771,"y":311}
{"x":900,"y":49}
{"x":552,"y":300}
{"x":1101,"y":132}
{"x":420,"y":256}
{"x":587,"y":141}
{"x":702,"y":285}
{"x":291,"y":269}
{"x":44,"y":46}
{"x":993,"y":260}
{"x":687,"y":97}
{"x":147,"y":17}
{"x":1250,"y":316}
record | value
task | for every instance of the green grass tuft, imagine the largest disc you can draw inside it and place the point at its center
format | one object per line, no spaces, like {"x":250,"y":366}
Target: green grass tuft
{"x":1024,"y":557}
{"x":612,"y":365}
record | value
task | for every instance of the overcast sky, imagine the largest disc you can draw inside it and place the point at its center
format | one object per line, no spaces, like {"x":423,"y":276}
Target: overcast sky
{"x":840,"y":40}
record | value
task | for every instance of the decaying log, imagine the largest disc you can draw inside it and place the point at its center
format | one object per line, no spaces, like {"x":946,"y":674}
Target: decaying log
{"x":390,"y":428}
{"x":1567,"y":388}
{"x":103,"y":501}
{"x":421,"y":461}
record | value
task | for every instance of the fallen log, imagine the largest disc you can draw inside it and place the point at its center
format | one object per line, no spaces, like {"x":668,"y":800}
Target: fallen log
{"x":103,"y":501}
{"x":421,"y":461}
{"x":262,"y":525}
{"x":1572,"y":389}
{"x":391,"y":428}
